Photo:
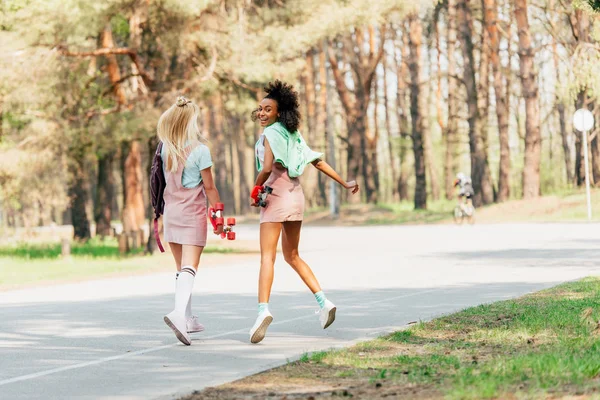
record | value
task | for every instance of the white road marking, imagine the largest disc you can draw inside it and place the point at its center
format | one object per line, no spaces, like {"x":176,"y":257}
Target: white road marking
{"x":158,"y":348}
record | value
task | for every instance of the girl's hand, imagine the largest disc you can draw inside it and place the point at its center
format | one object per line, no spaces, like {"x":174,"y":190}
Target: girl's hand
{"x":219,"y":230}
{"x":352,"y":185}
{"x":253,"y":203}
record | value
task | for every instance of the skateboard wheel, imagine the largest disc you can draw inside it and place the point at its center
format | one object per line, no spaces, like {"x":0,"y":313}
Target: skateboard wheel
{"x":230,"y":235}
{"x":231,"y":221}
{"x":219,"y":221}
{"x":219,"y":207}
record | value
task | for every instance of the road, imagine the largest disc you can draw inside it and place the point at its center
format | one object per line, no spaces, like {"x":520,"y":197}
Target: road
{"x":105,"y":339}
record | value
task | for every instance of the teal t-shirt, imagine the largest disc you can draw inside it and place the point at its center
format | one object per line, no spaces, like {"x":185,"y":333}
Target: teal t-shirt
{"x":198,"y":160}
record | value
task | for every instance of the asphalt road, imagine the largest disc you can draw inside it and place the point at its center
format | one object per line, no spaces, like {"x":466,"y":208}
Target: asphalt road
{"x":105,"y":339}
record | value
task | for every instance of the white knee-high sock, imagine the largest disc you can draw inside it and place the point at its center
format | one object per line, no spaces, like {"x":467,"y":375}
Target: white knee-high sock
{"x":188,"y":308}
{"x":183,"y":291}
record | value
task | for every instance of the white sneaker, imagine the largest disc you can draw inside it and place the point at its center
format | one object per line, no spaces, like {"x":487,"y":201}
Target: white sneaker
{"x":327,"y":314}
{"x":193,"y":326}
{"x":258,"y":331}
{"x":178,"y":324}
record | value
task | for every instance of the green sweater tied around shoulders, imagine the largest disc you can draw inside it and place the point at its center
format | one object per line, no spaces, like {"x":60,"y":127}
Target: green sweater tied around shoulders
{"x":289,"y":149}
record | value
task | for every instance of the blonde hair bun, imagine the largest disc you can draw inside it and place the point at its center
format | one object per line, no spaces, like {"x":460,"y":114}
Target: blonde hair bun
{"x":182,"y":101}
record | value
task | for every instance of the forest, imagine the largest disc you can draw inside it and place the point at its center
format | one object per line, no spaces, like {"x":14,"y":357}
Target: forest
{"x":399,"y":95}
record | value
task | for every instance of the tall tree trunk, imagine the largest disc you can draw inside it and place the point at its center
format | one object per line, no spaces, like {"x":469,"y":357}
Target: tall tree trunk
{"x":104,"y":194}
{"x":595,"y":153}
{"x":133,"y":206}
{"x":596,"y":148}
{"x":322,"y":120}
{"x":78,"y":195}
{"x":388,"y":132}
{"x":585,"y":102}
{"x":402,"y":74}
{"x":484,"y":100}
{"x":219,"y":138}
{"x":241,"y":187}
{"x":438,"y":91}
{"x":560,"y":110}
{"x":133,"y":210}
{"x":582,"y":30}
{"x":355,"y":117}
{"x":376,"y":108}
{"x":564,"y":134}
{"x":362,"y":154}
{"x":370,"y":164}
{"x":451,"y":164}
{"x":309,"y":180}
{"x":418,"y":111}
{"x":579,"y":166}
{"x":502,"y":107}
{"x":533,"y":140}
{"x":580,"y":102}
{"x":480,"y":171}
{"x":428,"y":135}
{"x":1,"y":118}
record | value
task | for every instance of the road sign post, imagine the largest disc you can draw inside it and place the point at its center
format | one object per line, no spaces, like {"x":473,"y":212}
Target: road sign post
{"x":583,"y":120}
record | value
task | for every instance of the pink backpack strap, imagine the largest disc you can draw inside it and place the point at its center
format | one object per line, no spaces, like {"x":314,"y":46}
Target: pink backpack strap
{"x":157,"y":236}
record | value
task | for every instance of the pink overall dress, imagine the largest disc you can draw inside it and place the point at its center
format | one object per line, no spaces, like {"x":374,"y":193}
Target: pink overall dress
{"x":286,"y":203}
{"x":184,"y":217}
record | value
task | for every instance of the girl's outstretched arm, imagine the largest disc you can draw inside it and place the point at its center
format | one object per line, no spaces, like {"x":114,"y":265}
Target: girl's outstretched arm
{"x":330,"y":172}
{"x":211,"y":192}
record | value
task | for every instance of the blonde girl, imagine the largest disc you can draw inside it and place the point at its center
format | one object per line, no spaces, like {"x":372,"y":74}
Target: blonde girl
{"x":189,"y":182}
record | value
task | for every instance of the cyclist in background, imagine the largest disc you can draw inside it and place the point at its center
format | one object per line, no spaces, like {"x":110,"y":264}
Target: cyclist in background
{"x":465,"y":191}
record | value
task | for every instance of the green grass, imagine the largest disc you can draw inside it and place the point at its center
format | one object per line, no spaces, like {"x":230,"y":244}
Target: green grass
{"x":30,"y":264}
{"x":541,"y":345}
{"x":405,"y":213}
{"x":94,"y":248}
{"x":559,"y":206}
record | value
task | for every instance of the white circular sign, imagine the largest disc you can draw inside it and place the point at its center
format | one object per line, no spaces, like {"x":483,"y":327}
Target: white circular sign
{"x":583,"y":120}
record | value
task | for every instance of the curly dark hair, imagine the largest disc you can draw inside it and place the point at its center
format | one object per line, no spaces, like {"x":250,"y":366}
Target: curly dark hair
{"x":287,"y":104}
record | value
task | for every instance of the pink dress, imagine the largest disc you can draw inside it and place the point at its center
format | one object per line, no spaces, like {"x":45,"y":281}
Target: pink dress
{"x":184,"y":217}
{"x":286,"y":203}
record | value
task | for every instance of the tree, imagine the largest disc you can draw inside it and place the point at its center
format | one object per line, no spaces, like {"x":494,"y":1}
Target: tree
{"x":451,"y":135}
{"x":418,"y":110}
{"x":491,"y":21}
{"x":480,"y":171}
{"x":402,"y":74}
{"x":363,"y":61}
{"x":533,"y":140}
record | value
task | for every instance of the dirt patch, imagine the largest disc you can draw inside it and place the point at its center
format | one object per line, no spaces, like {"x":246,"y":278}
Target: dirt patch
{"x":316,"y":381}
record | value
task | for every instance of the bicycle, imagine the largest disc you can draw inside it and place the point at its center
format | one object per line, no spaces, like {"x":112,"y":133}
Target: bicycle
{"x":462,"y":211}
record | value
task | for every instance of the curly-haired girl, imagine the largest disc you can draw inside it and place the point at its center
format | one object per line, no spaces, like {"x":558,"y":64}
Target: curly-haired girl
{"x":281,"y":155}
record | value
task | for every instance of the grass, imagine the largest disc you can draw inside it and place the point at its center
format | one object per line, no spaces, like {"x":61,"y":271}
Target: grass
{"x":383,"y":214}
{"x":563,"y":206}
{"x":543,"y":345}
{"x":94,"y":248}
{"x":404,"y":213}
{"x":29,"y":264}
